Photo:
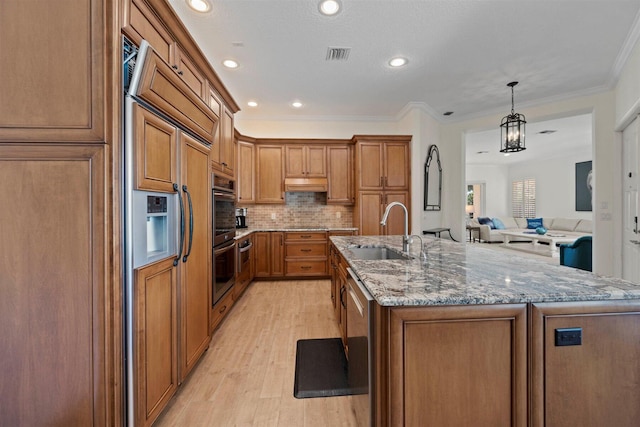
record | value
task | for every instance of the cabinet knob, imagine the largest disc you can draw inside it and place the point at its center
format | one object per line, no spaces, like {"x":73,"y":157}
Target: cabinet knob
{"x":175,"y":67}
{"x":180,"y":72}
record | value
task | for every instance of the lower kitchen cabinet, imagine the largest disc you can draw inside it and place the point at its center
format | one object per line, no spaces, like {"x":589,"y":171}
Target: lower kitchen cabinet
{"x":244,"y":265}
{"x":593,"y":377}
{"x":221,"y":309}
{"x":156,"y":344}
{"x":306,"y":254}
{"x":451,"y":366}
{"x":269,"y":253}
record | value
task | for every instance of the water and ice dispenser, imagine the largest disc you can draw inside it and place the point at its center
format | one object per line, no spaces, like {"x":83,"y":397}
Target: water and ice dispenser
{"x":154,"y":227}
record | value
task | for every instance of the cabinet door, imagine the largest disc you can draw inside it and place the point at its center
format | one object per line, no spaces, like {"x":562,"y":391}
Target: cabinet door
{"x":369,"y":213}
{"x":56,"y":308}
{"x":340,"y":175}
{"x":457,"y":366}
{"x":397,"y":166}
{"x":262,"y":254}
{"x":155,"y":152}
{"x":195,"y":279}
{"x":246,"y":172}
{"x":156,"y":344}
{"x":270,"y":174}
{"x":295,"y":166}
{"x":215,"y":104}
{"x":228,"y":153}
{"x":142,"y":23}
{"x":599,"y":375}
{"x":277,"y":253}
{"x":395,"y":222}
{"x":53,"y":70}
{"x":369,"y":165}
{"x":188,"y":71}
{"x":316,"y":161}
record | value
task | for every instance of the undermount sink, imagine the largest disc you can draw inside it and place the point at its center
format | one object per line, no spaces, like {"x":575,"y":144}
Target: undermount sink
{"x":373,"y":253}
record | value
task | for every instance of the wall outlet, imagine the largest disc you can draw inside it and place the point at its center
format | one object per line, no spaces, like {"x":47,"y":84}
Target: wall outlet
{"x":273,"y":215}
{"x":338,"y":214}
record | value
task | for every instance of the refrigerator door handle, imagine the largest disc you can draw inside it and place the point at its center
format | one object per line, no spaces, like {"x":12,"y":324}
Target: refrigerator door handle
{"x":177,"y":260}
{"x":184,"y":259}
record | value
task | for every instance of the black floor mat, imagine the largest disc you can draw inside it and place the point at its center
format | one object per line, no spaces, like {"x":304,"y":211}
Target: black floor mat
{"x":321,"y":369}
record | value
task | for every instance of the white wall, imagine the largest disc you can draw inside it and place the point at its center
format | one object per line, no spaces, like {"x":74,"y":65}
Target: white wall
{"x":496,"y":180}
{"x":555,"y":184}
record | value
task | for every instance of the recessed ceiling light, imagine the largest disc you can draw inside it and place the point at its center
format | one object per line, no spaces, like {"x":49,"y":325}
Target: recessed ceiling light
{"x":329,"y":7}
{"x":199,"y":5}
{"x":507,"y":154}
{"x":252,"y":104}
{"x":398,"y":62}
{"x":230,"y":63}
{"x":296,"y":104}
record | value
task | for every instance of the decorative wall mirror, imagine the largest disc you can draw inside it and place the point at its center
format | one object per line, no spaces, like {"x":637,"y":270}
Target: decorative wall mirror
{"x":432,"y":180}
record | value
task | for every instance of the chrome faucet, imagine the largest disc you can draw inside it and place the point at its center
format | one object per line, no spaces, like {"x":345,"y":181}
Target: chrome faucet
{"x":406,"y":239}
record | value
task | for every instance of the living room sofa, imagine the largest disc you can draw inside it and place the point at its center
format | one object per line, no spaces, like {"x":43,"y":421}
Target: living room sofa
{"x":566,"y":226}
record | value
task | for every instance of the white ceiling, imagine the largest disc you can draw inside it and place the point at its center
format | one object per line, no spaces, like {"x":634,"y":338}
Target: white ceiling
{"x":572,"y":135}
{"x":461,"y":53}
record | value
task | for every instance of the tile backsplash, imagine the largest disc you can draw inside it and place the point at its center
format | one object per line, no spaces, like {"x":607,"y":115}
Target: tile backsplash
{"x":300,"y":210}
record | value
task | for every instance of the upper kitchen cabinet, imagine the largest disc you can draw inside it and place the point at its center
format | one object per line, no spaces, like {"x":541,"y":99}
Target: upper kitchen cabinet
{"x":305,"y":161}
{"x":382,"y":162}
{"x":246,"y":172}
{"x":269,"y":174}
{"x":340,"y":175}
{"x":141,"y":23}
{"x":191,"y":75}
{"x":223,"y":151}
{"x":53,"y":71}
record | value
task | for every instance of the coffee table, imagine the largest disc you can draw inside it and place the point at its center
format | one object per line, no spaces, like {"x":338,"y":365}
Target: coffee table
{"x":535,"y":247}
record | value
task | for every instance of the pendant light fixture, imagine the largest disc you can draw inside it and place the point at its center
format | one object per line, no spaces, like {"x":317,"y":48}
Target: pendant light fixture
{"x":512,"y":131}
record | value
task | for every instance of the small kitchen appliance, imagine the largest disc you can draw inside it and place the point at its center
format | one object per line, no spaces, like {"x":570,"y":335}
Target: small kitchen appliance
{"x":241,"y":217}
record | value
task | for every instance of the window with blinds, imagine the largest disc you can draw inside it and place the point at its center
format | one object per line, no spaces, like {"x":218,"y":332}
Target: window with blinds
{"x":523,"y":198}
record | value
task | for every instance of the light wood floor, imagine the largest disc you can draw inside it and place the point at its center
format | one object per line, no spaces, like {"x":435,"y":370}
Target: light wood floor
{"x":246,"y":376}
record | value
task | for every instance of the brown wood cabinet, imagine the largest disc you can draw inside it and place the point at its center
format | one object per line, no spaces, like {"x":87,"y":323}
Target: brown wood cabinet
{"x":462,"y":365}
{"x":305,"y":161}
{"x":244,"y":265}
{"x":189,"y":72}
{"x":221,"y":309}
{"x":269,"y":174}
{"x":156,"y":153}
{"x":246,"y":172}
{"x":195,"y":279}
{"x":141,"y":23}
{"x":156,"y":344}
{"x":53,"y":84}
{"x":306,"y":254}
{"x":593,"y":383}
{"x":340,"y":175}
{"x":223,"y":150}
{"x":383,"y":162}
{"x":269,"y":253}
{"x":383,"y":170}
{"x":56,"y":315}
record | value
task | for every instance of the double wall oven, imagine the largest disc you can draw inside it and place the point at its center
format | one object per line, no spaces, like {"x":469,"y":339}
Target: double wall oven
{"x":224,"y":232}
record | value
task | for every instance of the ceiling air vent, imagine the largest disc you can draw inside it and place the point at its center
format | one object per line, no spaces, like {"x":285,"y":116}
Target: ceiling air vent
{"x":338,"y":53}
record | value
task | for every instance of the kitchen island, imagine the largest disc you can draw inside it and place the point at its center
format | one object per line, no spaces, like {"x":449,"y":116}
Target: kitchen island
{"x":472,"y":336}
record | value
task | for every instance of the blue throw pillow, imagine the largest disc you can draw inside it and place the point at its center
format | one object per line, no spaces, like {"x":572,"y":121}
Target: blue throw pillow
{"x":499,"y":225}
{"x":534,"y":223}
{"x":483,"y":220}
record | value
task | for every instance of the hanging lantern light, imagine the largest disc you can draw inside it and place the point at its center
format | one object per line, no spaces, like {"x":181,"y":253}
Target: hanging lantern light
{"x":512,"y":129}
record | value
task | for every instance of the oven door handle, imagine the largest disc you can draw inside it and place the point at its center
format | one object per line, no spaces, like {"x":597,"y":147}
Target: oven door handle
{"x":224,"y":196}
{"x":246,"y":248}
{"x":220,"y":251}
{"x":184,"y":259}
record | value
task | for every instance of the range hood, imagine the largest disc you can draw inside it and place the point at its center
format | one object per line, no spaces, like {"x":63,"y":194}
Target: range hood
{"x":313,"y":185}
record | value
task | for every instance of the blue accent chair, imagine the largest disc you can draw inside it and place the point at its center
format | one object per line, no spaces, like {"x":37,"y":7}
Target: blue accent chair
{"x":577,"y":254}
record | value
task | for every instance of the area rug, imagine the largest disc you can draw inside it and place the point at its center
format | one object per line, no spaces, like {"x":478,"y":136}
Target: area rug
{"x":321,"y":369}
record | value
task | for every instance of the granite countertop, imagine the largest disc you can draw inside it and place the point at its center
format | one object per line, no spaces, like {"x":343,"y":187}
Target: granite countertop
{"x":459,"y":274}
{"x":241,"y":232}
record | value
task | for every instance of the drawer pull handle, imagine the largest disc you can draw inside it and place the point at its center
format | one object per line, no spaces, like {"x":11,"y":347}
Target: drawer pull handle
{"x":305,"y":250}
{"x":306,"y":236}
{"x":305,"y":267}
{"x":223,"y":309}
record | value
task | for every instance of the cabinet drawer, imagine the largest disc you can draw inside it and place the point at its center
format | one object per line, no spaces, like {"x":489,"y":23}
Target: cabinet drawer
{"x":306,"y":268}
{"x":221,"y":309}
{"x":295,"y":249}
{"x":313,"y":235}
